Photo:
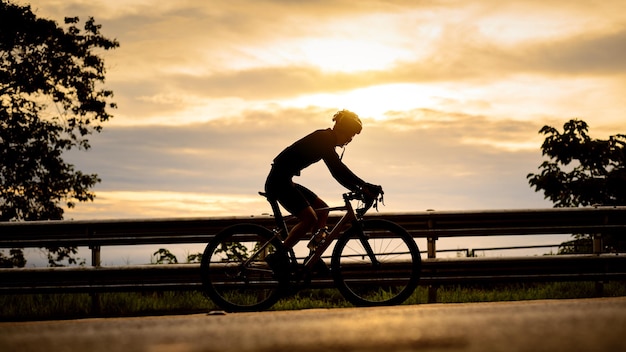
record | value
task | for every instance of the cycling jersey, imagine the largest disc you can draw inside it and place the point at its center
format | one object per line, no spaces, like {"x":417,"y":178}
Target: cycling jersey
{"x":319,"y":145}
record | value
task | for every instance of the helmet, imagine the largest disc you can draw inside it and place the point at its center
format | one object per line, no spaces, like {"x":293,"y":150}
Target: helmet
{"x":347,"y":120}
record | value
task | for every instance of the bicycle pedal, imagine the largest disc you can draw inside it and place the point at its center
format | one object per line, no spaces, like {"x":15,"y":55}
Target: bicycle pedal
{"x":279,"y":264}
{"x":320,"y":268}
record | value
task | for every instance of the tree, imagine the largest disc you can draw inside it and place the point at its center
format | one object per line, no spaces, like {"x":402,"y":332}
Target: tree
{"x":582,"y":172}
{"x":50,"y":103}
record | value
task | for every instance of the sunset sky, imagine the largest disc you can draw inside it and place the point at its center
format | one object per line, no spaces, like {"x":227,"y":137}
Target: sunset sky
{"x":452,"y":95}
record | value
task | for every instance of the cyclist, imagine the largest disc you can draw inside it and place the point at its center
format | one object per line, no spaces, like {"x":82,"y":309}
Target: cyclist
{"x":319,"y":145}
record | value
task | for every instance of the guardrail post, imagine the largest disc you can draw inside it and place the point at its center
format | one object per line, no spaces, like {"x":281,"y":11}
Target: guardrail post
{"x":597,"y":250}
{"x":432,"y":247}
{"x":432,"y":253}
{"x":95,"y":297}
{"x":95,"y":262}
{"x":95,"y":256}
{"x":597,"y":244}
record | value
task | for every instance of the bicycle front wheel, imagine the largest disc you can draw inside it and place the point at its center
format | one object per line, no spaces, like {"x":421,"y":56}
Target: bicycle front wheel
{"x":234,"y":272}
{"x":377,"y":264}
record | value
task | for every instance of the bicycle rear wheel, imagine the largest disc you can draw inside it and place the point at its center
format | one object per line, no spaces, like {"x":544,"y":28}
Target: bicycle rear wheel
{"x":389,"y":279}
{"x":234,"y":272}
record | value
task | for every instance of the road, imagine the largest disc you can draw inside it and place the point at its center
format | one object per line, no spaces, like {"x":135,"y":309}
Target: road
{"x":547,"y":325}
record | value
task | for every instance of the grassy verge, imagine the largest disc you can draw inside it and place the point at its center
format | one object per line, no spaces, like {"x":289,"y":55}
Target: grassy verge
{"x":72,"y":306}
{"x":69,"y":306}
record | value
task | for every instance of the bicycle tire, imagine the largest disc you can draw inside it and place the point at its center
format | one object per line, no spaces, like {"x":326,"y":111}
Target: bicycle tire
{"x":233,"y":284}
{"x":397,"y":275}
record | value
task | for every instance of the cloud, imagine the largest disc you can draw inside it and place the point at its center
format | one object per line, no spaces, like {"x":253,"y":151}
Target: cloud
{"x":195,"y":61}
{"x":595,"y":53}
{"x":484,"y":61}
{"x":267,"y":83}
{"x":599,"y":54}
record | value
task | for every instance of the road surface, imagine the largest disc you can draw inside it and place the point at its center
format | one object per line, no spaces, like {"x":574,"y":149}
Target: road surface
{"x":546,"y":325}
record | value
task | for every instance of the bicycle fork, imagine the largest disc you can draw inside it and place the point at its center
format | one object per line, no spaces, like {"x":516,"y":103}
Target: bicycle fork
{"x":365,"y":243}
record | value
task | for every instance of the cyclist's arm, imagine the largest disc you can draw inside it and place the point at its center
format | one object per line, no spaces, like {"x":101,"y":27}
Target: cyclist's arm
{"x":342,"y":173}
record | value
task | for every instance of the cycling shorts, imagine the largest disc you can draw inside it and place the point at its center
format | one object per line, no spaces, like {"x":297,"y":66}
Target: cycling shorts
{"x":292,"y":196}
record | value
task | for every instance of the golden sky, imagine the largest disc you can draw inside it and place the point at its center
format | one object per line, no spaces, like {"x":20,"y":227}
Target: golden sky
{"x":452,"y":94}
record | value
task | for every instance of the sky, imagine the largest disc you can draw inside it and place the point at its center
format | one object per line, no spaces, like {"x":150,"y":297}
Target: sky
{"x":452,"y":95}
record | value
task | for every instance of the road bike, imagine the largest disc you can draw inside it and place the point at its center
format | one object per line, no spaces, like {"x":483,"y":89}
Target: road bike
{"x":374,"y":262}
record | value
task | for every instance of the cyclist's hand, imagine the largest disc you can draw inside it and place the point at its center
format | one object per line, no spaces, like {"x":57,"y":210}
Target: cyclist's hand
{"x":372,"y":191}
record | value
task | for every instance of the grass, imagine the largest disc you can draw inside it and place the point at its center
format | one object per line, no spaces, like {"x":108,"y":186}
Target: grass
{"x":72,"y":306}
{"x":118,"y":304}
{"x":519,"y":292}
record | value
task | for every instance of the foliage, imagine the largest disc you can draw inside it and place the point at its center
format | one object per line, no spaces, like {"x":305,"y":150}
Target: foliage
{"x":233,"y":250}
{"x":15,"y":259}
{"x":194,"y":258}
{"x":50,"y":103}
{"x":580,"y":244}
{"x":164,"y":256}
{"x":57,"y":254}
{"x":582,"y":171}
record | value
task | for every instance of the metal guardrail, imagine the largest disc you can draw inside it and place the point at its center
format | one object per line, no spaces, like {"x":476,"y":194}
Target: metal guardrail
{"x":431,"y":225}
{"x":435,"y":272}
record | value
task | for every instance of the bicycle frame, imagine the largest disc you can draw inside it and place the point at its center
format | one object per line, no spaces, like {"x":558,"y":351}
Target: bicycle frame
{"x":348,"y":219}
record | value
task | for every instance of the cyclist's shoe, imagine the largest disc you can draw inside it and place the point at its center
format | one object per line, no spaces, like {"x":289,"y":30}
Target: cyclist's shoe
{"x":279,"y":264}
{"x":318,"y":238}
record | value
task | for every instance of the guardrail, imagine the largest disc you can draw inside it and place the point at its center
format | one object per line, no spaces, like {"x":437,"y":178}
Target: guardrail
{"x":430,"y":225}
{"x":435,"y":272}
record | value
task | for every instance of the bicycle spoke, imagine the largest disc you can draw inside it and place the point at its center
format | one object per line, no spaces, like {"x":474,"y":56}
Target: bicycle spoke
{"x":389,"y":281}
{"x":235,"y":274}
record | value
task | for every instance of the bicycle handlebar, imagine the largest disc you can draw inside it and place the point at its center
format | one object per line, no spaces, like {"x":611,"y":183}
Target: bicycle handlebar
{"x":370,"y":198}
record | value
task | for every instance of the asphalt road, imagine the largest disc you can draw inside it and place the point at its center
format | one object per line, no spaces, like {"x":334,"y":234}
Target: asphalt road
{"x":549,"y":325}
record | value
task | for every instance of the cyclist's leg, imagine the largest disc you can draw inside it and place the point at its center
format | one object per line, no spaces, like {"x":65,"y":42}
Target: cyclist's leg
{"x":282,"y":188}
{"x":308,"y":220}
{"x":316,"y":203}
{"x":299,"y":201}
{"x":321,"y":211}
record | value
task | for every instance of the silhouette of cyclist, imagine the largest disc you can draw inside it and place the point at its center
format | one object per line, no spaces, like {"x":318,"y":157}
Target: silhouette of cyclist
{"x":319,"y":145}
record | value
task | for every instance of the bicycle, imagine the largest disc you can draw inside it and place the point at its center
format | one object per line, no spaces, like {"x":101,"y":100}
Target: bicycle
{"x":374,"y":262}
